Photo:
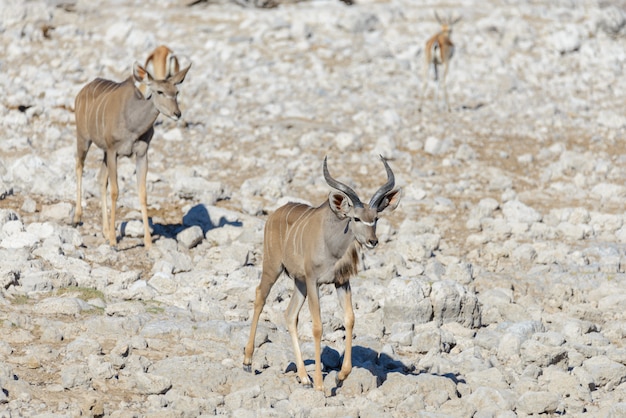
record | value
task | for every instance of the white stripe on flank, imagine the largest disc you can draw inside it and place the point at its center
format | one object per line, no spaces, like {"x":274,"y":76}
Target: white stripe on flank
{"x":102,"y":109}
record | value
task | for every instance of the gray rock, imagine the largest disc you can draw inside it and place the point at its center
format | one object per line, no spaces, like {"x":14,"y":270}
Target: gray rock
{"x":395,"y":389}
{"x":81,"y":348}
{"x":169,"y":253}
{"x":359,"y":382}
{"x":454,"y":303}
{"x":132,"y":228}
{"x":75,"y":375}
{"x":151,"y":384}
{"x":190,"y":237}
{"x":196,"y":187}
{"x":605,"y":372}
{"x":435,"y":390}
{"x":609,"y":191}
{"x":516,"y":211}
{"x":538,"y":402}
{"x":436,"y":146}
{"x":60,"y":212}
{"x":14,"y":236}
{"x":407,"y":300}
{"x":489,"y":399}
{"x":100,"y":369}
{"x":566,"y":40}
{"x":52,"y":334}
{"x":6,"y":374}
{"x":334,"y":411}
{"x":491,"y":377}
{"x":305,"y":399}
{"x":41,"y":281}
{"x":616,"y":410}
{"x":347,"y":140}
{"x":62,"y":305}
{"x":541,"y":355}
{"x":460,"y":272}
{"x":566,"y":384}
{"x":29,"y":205}
{"x":163,"y":283}
{"x":128,"y":308}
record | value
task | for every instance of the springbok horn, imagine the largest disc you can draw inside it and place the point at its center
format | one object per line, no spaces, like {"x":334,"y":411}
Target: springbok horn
{"x":341,"y":187}
{"x":386,"y":188}
{"x":438,"y":18}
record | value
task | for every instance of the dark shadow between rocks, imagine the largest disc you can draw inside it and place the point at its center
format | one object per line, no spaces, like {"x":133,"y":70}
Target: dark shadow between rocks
{"x":378,"y":364}
{"x":196,"y":216}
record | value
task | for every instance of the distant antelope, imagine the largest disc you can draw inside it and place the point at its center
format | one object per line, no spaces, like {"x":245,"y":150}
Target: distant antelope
{"x":119,"y":119}
{"x":439,"y":51}
{"x":317,"y":246}
{"x":162,"y":63}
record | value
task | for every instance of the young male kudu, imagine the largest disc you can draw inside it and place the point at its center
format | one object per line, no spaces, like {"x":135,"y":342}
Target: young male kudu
{"x":319,"y":245}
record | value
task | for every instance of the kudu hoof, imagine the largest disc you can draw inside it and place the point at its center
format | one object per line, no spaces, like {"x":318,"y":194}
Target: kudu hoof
{"x":247,"y":368}
{"x":304,"y":384}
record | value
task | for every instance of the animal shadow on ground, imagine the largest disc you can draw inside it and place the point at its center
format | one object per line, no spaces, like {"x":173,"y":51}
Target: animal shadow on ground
{"x":196,"y":216}
{"x":378,"y":364}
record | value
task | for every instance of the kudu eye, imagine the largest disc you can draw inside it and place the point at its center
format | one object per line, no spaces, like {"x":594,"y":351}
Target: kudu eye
{"x":357,"y":219}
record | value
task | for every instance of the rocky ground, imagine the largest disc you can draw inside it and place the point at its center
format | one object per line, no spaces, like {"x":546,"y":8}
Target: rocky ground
{"x":499,"y":286}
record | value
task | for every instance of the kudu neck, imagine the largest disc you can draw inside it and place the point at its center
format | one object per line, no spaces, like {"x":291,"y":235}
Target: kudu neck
{"x":338,"y":234}
{"x":140,"y":111}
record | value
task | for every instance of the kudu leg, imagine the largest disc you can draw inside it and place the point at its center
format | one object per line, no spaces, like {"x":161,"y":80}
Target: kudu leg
{"x":112,"y":170}
{"x":262,"y":291}
{"x":344,"y":293}
{"x":142,"y":174}
{"x":103,"y":180}
{"x":291,"y":315}
{"x":81,"y":154}
{"x":316,"y":316}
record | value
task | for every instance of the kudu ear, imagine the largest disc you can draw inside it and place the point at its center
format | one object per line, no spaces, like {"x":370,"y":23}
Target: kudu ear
{"x":172,"y":64}
{"x":179,"y":77}
{"x":339,"y":203}
{"x":140,"y":74}
{"x":142,"y":80}
{"x":390,"y":201}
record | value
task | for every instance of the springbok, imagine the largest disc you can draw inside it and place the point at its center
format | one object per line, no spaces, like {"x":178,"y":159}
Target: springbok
{"x":319,"y":245}
{"x":119,"y":119}
{"x":162,"y":63}
{"x":439,"y":51}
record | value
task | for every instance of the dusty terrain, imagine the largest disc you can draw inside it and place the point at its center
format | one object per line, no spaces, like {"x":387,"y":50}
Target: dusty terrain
{"x":498,"y":289}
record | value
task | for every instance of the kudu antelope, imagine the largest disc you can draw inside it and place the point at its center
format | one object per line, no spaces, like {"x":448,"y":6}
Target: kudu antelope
{"x":438,"y":51}
{"x":319,"y":245}
{"x":162,"y":63}
{"x":119,"y":119}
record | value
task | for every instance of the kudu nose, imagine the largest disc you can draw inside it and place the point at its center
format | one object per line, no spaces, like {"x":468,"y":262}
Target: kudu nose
{"x":373,"y":243}
{"x":178,"y":114}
